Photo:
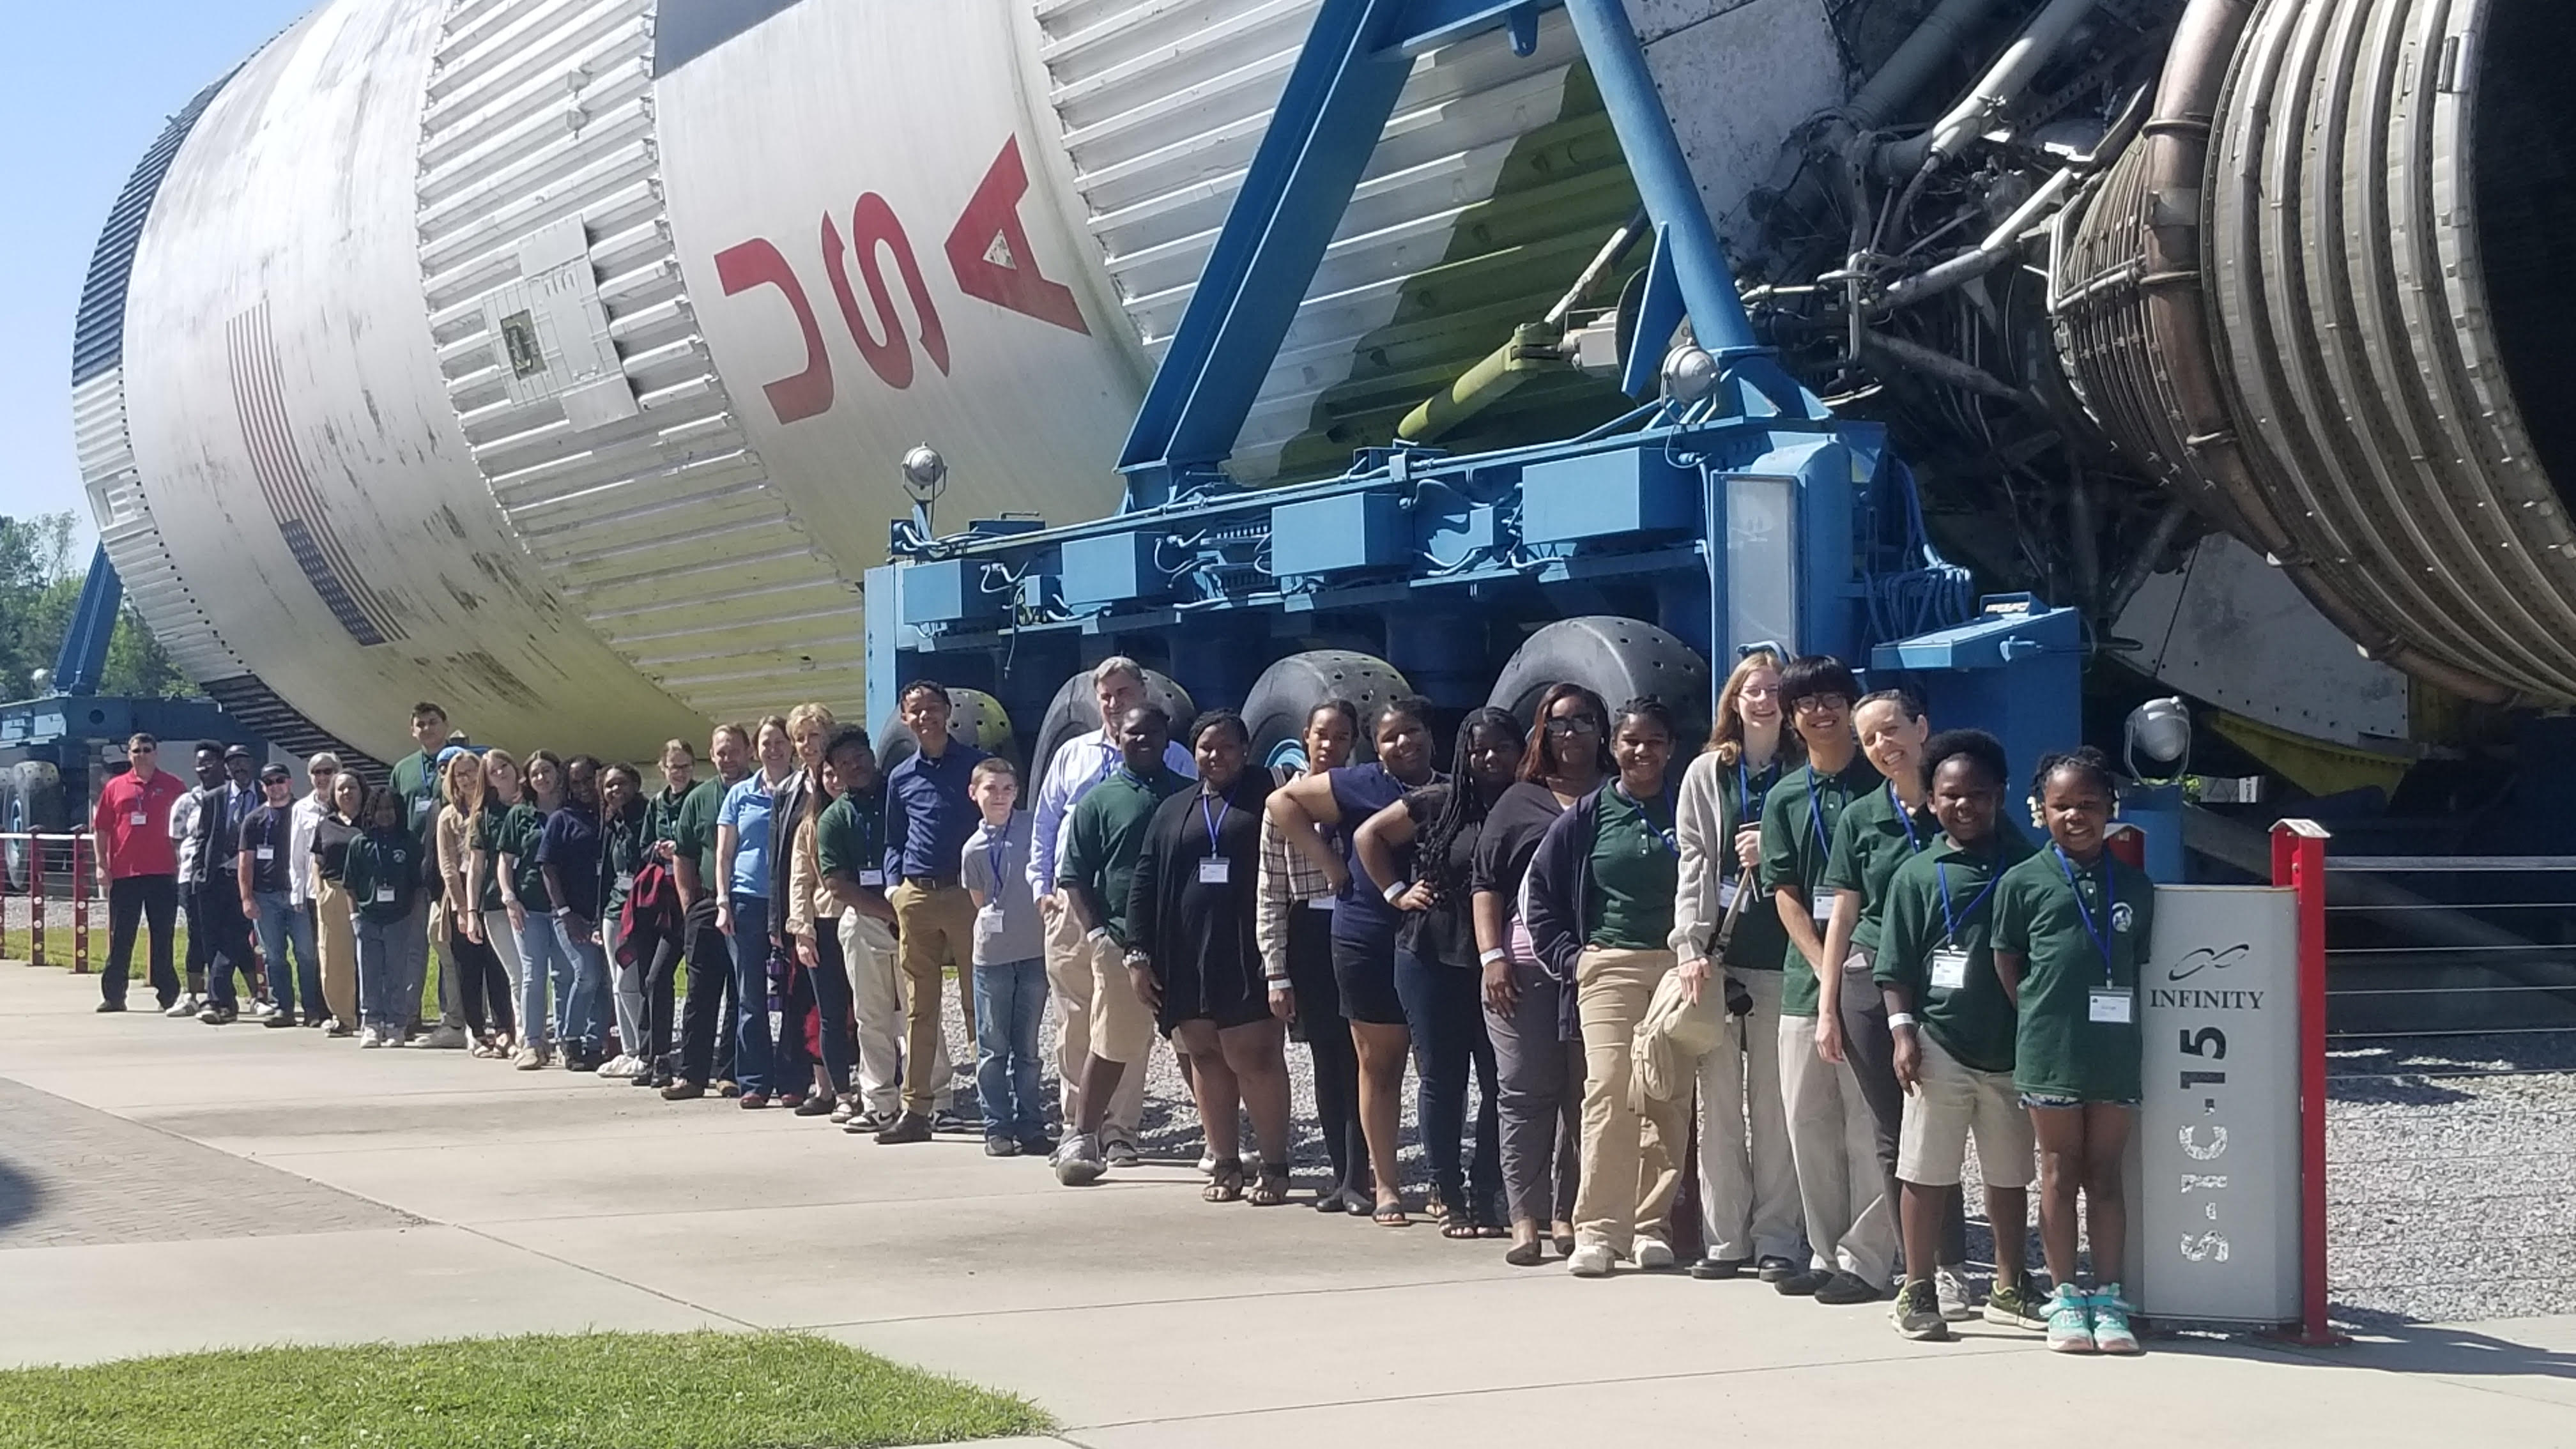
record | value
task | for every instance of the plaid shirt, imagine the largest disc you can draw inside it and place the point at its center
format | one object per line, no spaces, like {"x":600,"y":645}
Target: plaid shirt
{"x":1288,"y":881}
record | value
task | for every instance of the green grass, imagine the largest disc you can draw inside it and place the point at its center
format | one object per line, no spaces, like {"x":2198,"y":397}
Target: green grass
{"x":585,"y":1391}
{"x":15,"y":944}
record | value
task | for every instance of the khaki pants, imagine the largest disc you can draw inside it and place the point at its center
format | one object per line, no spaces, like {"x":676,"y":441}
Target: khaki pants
{"x":1748,"y":1185}
{"x":338,"y":941}
{"x":1070,"y":982}
{"x":1631,"y":1157}
{"x":1833,"y":1141}
{"x":878,"y":995}
{"x":1122,"y":1025}
{"x":935,"y":930}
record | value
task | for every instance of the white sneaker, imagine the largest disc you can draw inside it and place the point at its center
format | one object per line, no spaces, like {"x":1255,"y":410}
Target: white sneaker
{"x":1078,"y":1161}
{"x":1957,"y":1304}
{"x":396,"y":1036}
{"x":618,"y":1066}
{"x":529,"y":1059}
{"x":445,"y":1038}
{"x":369,"y":1038}
{"x":1593,"y":1260}
{"x":1654,"y":1254}
{"x":186,"y":1005}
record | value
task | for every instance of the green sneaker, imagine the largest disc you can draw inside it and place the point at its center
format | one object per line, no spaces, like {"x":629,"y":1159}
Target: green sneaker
{"x":2111,"y":1322}
{"x":2070,"y":1321}
{"x":1918,"y":1313}
{"x":2011,"y":1306}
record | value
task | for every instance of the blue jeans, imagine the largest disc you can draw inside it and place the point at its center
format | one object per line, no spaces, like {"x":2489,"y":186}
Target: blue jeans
{"x":581,"y":985}
{"x":281,"y":926}
{"x":380,"y":974}
{"x":1444,"y":1006}
{"x":1010,"y":1000}
{"x":541,"y":960}
{"x":751,"y":1061}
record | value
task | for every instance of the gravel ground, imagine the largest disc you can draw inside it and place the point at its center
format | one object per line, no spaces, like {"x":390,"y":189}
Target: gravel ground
{"x":2424,"y":1135}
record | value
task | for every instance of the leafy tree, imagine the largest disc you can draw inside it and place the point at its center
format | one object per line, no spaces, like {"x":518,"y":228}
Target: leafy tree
{"x":40,"y":591}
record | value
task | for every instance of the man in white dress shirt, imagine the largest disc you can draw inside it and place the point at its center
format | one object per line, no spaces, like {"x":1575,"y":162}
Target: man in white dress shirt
{"x":1117,"y":686}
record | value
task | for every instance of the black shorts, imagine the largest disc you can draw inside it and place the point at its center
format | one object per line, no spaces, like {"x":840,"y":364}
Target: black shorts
{"x":1365,"y":972}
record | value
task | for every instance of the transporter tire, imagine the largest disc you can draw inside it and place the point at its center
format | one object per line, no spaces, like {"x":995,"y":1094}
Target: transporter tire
{"x":1618,"y":659}
{"x":1275,"y":709}
{"x":975,"y":718}
{"x":1070,"y":714}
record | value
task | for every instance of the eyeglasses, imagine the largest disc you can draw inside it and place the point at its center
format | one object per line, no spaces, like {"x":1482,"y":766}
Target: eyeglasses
{"x":1822,"y":704}
{"x":325,"y":773}
{"x":133,"y":750}
{"x":1573,"y":724}
{"x":1758,"y":691}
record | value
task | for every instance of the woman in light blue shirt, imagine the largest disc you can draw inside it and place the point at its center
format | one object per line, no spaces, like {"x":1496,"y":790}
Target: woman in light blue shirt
{"x":742,"y":911}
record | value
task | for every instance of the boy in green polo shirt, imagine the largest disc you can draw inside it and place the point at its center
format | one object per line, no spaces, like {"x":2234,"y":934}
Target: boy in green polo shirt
{"x":1850,"y":1229}
{"x":2070,"y":925}
{"x":1953,"y":1031}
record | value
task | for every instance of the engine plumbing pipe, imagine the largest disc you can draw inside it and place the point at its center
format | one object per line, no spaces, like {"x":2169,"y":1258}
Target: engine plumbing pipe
{"x":2000,"y":86}
{"x":1987,"y":255}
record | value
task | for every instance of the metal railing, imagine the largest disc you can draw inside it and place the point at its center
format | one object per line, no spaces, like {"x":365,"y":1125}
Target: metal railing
{"x":40,"y":868}
{"x":2454,"y":947}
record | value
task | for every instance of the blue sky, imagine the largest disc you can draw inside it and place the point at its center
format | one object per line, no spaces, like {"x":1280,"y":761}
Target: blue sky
{"x":84,"y":92}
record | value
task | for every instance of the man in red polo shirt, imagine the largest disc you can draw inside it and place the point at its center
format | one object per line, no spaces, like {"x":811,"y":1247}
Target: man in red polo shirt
{"x":138,"y":867}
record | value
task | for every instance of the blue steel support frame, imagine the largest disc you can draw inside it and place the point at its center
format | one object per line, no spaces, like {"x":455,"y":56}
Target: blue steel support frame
{"x":84,"y":654}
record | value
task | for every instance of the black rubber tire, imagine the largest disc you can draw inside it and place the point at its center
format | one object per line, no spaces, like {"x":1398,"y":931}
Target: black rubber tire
{"x":1276,"y":708}
{"x":975,"y":718}
{"x":1617,"y":658}
{"x":1070,"y":713}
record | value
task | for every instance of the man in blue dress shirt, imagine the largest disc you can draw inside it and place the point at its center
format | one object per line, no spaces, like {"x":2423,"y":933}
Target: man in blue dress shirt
{"x":928,"y":818}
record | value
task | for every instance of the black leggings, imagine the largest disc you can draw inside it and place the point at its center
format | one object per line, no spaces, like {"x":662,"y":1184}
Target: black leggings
{"x":1872,"y":1054}
{"x":1444,"y":1005}
{"x":1328,"y":1039}
{"x":823,"y":992}
{"x":658,"y":946}
{"x":482,"y":983}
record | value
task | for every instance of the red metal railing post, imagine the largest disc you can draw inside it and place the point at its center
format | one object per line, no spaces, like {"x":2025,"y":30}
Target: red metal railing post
{"x":36,"y":898}
{"x":2299,"y":864}
{"x":80,"y":906}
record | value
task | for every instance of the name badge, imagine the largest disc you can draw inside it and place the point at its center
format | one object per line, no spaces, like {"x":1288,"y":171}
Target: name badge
{"x":137,"y":818}
{"x":626,"y":880}
{"x":1216,"y":871}
{"x":384,"y":895}
{"x":1949,"y":969}
{"x":1321,"y":903}
{"x":268,"y":852}
{"x":1727,"y":891}
{"x":1822,"y":906}
{"x":2111,"y":1005}
{"x":420,"y":807}
{"x":872,"y":877}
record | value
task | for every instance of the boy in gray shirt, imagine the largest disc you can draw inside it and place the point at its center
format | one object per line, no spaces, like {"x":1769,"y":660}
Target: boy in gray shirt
{"x":1010,"y":965}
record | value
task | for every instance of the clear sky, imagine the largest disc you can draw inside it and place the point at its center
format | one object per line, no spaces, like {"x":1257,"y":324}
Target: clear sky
{"x":83,"y":92}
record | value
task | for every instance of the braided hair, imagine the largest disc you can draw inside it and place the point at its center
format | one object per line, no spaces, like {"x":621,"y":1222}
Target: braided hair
{"x":1462,"y":807}
{"x":2083,"y":760}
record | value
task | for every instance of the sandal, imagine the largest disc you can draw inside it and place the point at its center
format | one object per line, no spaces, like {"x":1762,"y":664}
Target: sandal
{"x":1457,"y":1228}
{"x":1225,"y":1184}
{"x":1270,"y":1189}
{"x":1391,"y":1215}
{"x":1525,"y":1255}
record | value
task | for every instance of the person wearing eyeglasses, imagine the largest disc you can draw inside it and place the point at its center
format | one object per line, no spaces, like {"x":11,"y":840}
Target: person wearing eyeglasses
{"x":1833,"y":1138}
{"x":138,"y":870}
{"x":262,"y":866}
{"x":303,"y":890}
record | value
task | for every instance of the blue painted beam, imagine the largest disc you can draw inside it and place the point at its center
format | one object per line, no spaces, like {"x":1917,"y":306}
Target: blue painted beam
{"x":1429,"y":24}
{"x":84,"y":653}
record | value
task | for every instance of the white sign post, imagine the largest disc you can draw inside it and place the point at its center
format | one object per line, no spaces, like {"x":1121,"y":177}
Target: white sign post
{"x":2215,"y":1165}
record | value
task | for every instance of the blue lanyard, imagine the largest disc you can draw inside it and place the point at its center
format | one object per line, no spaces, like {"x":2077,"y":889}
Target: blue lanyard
{"x":2110,"y":904}
{"x":1212,"y":821}
{"x":1952,"y":920}
{"x":1816,"y":812}
{"x":1904,"y":817}
{"x":1662,"y":833}
{"x":998,"y":854}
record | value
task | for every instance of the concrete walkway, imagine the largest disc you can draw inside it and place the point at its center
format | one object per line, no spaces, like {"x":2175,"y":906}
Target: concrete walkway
{"x":166,"y":1186}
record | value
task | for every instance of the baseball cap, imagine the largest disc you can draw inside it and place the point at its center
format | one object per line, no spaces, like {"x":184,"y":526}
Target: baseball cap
{"x":275,"y":772}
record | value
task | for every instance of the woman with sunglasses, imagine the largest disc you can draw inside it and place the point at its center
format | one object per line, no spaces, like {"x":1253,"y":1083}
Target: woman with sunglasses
{"x":1748,"y":1189}
{"x":1539,"y":1106}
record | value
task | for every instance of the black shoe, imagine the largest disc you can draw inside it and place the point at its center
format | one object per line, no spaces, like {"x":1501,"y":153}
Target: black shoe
{"x":910,"y":1127}
{"x":683,"y":1091}
{"x":1717,"y":1268}
{"x":1773,"y":1269}
{"x":867,"y":1124}
{"x":1802,"y":1284}
{"x":1846,"y":1288}
{"x":579,"y":1061}
{"x":1001,"y":1147}
{"x":105,"y":1007}
{"x":817,"y":1105}
{"x":1037,"y":1144}
{"x":278,"y":1020}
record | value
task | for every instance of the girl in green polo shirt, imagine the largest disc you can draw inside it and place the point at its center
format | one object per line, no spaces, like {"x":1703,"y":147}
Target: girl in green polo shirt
{"x":2070,"y":924}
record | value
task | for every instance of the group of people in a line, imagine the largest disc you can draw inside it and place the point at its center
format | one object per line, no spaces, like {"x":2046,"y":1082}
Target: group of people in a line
{"x":1822,"y":950}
